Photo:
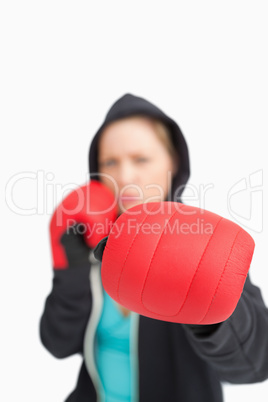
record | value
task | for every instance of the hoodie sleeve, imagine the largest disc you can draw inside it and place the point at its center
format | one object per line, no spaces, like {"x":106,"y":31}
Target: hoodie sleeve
{"x":66,"y":312}
{"x":238,"y":347}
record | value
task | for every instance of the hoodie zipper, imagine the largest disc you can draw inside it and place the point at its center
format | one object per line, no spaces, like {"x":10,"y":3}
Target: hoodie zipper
{"x":89,"y":339}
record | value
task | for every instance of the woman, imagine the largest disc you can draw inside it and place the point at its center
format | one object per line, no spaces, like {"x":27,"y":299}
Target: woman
{"x":140,"y":154}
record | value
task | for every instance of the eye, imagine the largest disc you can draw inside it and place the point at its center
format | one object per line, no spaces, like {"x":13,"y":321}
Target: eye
{"x":141,"y":160}
{"x":108,"y":163}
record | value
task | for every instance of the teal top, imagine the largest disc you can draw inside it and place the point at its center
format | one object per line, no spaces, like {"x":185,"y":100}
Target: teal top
{"x":113,"y":353}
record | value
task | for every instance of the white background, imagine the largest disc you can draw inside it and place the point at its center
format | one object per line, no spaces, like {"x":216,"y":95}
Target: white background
{"x":63,"y":63}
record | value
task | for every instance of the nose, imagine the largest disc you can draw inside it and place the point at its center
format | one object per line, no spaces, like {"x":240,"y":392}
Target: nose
{"x":126,"y":174}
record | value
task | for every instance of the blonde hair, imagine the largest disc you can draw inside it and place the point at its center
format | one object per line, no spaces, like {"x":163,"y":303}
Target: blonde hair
{"x":163,"y":134}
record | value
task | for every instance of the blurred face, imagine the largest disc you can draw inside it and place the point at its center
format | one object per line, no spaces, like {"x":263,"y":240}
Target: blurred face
{"x":134,"y":163}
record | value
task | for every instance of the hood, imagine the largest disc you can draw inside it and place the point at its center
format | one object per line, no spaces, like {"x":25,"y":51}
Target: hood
{"x":130,"y":105}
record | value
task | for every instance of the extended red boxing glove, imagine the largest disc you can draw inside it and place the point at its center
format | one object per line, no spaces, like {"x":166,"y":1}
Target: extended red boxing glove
{"x":91,"y":205}
{"x":177,"y":263}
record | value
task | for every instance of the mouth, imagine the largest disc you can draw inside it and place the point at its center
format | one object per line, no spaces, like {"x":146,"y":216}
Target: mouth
{"x":129,"y":198}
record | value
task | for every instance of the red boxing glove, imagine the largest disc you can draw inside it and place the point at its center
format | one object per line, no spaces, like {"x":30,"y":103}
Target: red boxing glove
{"x":176,"y":263}
{"x":92,"y":205}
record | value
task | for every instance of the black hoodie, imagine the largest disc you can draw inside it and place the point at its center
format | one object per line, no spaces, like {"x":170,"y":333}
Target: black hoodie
{"x":176,"y":363}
